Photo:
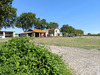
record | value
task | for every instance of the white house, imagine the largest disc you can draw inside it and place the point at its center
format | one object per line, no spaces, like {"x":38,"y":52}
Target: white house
{"x":52,"y":32}
{"x":4,"y":34}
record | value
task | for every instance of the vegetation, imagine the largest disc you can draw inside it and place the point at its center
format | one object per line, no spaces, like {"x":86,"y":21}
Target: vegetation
{"x":7,"y":14}
{"x":20,"y":57}
{"x":52,"y":25}
{"x":64,"y":34}
{"x":26,"y":21}
{"x":77,"y":42}
{"x":71,"y":31}
{"x":89,"y":34}
{"x":40,"y":24}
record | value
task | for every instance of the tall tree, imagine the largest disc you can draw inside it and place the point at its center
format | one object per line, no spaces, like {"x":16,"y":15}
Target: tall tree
{"x":26,"y":21}
{"x":79,"y":32}
{"x":52,"y":25}
{"x":7,"y":14}
{"x":68,"y":29}
{"x":40,"y":24}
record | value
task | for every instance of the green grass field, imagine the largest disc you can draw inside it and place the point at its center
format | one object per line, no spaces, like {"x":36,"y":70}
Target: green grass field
{"x":77,"y":42}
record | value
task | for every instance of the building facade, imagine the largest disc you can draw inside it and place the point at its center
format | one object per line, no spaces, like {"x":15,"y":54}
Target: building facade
{"x":41,"y":33}
{"x":52,"y":32}
{"x":5,"y":34}
{"x":33,"y":33}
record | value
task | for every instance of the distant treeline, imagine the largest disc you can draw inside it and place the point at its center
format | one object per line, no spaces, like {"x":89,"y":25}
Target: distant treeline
{"x":89,"y":34}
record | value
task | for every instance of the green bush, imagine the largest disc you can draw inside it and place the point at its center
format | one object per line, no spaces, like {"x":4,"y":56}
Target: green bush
{"x":64,"y":34}
{"x":20,"y":57}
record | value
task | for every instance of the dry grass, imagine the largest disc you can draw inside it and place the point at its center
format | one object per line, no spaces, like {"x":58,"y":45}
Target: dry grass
{"x":4,"y":40}
{"x":77,"y":42}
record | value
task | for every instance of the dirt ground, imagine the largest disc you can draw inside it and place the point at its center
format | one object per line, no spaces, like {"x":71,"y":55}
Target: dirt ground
{"x":83,"y":62}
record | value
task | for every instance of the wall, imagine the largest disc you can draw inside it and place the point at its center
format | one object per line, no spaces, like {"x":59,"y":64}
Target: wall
{"x":1,"y":34}
{"x":23,"y":35}
{"x":56,"y":32}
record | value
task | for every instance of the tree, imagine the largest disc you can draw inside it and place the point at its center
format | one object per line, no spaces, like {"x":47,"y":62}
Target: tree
{"x":89,"y":34}
{"x":64,"y":34}
{"x":40,"y":24}
{"x":79,"y":31}
{"x":26,"y":21}
{"x":7,"y":14}
{"x":68,"y":29}
{"x":52,"y":25}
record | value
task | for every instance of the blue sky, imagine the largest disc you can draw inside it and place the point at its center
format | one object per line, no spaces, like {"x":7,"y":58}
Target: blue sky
{"x":81,"y":14}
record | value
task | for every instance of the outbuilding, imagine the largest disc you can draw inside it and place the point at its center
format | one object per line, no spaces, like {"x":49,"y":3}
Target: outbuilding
{"x":5,"y":34}
{"x":33,"y":33}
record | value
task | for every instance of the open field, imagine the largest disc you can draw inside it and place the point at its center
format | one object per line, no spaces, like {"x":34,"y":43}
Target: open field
{"x":4,"y":40}
{"x":86,"y":42}
{"x":77,"y":42}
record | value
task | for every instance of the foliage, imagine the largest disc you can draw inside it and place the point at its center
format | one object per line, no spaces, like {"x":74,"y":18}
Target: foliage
{"x":26,"y":21}
{"x":68,"y":29}
{"x":40,"y":24}
{"x":7,"y":14}
{"x":52,"y":25}
{"x":89,"y":34}
{"x":71,"y":31}
{"x":32,"y":34}
{"x":20,"y":57}
{"x":79,"y":32}
{"x":64,"y":34}
{"x":71,"y":35}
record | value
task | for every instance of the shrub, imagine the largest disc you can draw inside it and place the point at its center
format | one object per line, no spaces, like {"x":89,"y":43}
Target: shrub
{"x":71,"y":35}
{"x":20,"y":57}
{"x":64,"y":34}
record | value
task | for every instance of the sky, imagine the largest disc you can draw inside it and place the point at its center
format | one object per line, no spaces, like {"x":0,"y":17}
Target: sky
{"x":81,"y":14}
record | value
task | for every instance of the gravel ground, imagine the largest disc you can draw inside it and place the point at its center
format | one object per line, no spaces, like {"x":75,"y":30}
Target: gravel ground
{"x":83,"y":62}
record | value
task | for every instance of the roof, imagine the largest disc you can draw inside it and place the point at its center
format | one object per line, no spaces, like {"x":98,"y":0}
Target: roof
{"x":25,"y":33}
{"x":37,"y":30}
{"x":7,"y":31}
{"x":53,"y":28}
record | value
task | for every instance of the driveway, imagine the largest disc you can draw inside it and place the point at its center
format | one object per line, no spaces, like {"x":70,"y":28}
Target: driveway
{"x":83,"y":62}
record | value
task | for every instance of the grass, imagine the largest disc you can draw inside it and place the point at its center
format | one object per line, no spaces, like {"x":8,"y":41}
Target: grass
{"x":4,"y":39}
{"x":77,"y":42}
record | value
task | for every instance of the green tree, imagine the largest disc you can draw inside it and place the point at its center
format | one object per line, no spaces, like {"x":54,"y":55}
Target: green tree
{"x":79,"y":32}
{"x":89,"y":34}
{"x":7,"y":14}
{"x":52,"y":25}
{"x":64,"y":34}
{"x":68,"y":29}
{"x":40,"y":24}
{"x":26,"y":21}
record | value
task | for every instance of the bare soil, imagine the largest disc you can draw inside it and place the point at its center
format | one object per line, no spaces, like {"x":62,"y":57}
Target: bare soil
{"x":83,"y":62}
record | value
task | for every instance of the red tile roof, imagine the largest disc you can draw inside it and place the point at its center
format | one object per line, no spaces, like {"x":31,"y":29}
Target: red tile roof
{"x":38,"y":30}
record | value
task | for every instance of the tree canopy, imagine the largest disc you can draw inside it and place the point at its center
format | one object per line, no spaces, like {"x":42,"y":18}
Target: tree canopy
{"x":79,"y":31}
{"x":69,"y":29}
{"x":52,"y":25}
{"x":7,"y":14}
{"x":40,"y":24}
{"x":26,"y":21}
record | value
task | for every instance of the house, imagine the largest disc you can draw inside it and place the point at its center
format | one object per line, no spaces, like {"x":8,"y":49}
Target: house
{"x":41,"y":33}
{"x":52,"y":32}
{"x":33,"y":32}
{"x":4,"y":34}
